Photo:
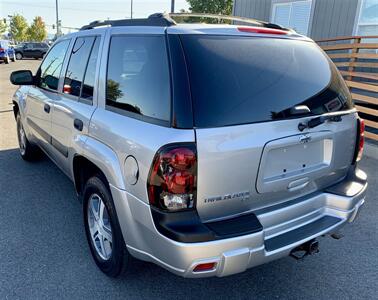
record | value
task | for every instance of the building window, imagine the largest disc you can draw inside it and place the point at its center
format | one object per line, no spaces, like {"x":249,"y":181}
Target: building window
{"x":368,"y":20}
{"x":293,"y":14}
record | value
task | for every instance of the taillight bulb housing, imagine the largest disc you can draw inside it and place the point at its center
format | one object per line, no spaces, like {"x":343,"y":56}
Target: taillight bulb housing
{"x":172,"y":182}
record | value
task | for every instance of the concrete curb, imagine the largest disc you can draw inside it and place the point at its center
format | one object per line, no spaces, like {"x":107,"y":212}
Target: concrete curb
{"x":371,"y":150}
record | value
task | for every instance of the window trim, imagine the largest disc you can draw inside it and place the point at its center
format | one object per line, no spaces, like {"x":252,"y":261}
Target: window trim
{"x":144,"y":118}
{"x":357,"y":22}
{"x":290,"y":3}
{"x":73,"y":97}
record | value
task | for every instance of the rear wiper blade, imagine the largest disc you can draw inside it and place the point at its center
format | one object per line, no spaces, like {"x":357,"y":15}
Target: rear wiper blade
{"x":333,"y":117}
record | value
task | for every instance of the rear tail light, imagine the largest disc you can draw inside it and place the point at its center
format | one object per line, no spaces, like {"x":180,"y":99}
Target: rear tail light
{"x":360,"y":140}
{"x":262,"y":30}
{"x":172,"y":182}
{"x":2,"y":50}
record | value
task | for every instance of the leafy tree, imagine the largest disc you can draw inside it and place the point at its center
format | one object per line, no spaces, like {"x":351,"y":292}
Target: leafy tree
{"x":113,"y":91}
{"x":37,"y":31}
{"x":3,"y":27}
{"x":222,"y":7}
{"x":18,"y":28}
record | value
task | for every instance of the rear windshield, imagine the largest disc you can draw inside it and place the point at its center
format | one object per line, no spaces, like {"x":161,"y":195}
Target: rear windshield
{"x":240,"y":80}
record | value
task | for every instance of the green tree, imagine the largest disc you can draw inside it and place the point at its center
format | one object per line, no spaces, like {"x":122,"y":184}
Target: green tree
{"x":18,"y":28}
{"x":3,"y":26}
{"x":222,"y":7}
{"x":37,"y":31}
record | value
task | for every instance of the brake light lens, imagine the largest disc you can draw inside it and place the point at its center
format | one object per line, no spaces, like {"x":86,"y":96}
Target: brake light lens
{"x":2,"y":50}
{"x":205,"y":267}
{"x":262,"y":30}
{"x":361,"y":139}
{"x":172,"y":182}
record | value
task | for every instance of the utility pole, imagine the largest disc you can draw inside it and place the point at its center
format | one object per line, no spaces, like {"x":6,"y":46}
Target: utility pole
{"x":172,"y":6}
{"x":57,"y":18}
{"x":131,"y":9}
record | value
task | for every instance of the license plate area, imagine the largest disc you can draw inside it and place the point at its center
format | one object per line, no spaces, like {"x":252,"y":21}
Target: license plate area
{"x":295,"y":159}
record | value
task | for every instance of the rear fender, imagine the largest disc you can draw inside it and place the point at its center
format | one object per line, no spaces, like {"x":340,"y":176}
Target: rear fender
{"x":103,"y":157}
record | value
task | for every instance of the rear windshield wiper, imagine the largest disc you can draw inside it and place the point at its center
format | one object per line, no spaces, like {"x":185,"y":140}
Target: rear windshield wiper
{"x":333,"y":117}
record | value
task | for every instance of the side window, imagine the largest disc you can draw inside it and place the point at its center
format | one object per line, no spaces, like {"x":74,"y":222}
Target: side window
{"x":138,"y":76}
{"x":90,"y":73}
{"x":49,"y":71}
{"x":77,"y":64}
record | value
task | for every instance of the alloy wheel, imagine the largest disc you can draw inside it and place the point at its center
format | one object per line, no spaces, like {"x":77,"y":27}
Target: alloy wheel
{"x":21,"y":139}
{"x":99,"y":227}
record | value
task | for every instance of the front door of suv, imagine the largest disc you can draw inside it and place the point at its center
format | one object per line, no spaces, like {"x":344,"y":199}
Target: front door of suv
{"x":75,"y":105}
{"x":41,"y":96}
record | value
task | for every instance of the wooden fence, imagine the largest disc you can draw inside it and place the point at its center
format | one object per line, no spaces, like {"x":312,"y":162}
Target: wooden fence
{"x":357,"y":59}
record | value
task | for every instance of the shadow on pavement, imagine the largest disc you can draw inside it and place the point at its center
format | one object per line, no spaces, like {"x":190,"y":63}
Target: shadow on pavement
{"x":44,"y":253}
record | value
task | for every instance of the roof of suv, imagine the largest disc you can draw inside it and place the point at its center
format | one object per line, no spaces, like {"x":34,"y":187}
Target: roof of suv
{"x":164,"y":21}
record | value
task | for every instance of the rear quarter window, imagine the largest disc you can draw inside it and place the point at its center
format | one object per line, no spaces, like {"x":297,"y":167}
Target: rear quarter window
{"x":138,"y":77}
{"x":240,"y":80}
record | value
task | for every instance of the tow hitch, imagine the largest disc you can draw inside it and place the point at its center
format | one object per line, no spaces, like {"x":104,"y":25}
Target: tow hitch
{"x":308,"y":248}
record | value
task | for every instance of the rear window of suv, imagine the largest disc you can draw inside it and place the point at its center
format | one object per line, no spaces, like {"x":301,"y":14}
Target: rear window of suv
{"x":240,"y":80}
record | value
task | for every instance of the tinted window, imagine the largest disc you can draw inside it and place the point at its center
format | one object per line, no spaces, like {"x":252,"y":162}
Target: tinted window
{"x":49,"y":71}
{"x":138,"y":76}
{"x":77,"y":64}
{"x":89,"y":79}
{"x":239,"y":80}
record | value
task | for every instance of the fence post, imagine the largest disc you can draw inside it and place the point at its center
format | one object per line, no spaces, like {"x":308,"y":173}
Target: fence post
{"x":352,"y":60}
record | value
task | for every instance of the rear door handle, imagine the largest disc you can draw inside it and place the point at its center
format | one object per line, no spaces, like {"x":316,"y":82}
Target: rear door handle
{"x":46,"y":108}
{"x":78,"y":124}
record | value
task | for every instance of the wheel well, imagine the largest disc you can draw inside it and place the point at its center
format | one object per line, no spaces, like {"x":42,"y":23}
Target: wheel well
{"x":15,"y":108}
{"x":84,"y":169}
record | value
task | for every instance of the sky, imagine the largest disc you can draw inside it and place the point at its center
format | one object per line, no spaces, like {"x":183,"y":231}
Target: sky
{"x":81,"y":12}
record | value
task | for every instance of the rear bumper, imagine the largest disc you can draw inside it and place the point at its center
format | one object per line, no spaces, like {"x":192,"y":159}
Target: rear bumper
{"x":284,"y":227}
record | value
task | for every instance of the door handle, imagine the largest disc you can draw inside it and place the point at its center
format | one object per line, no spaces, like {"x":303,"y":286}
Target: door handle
{"x":78,"y":124}
{"x":46,"y":108}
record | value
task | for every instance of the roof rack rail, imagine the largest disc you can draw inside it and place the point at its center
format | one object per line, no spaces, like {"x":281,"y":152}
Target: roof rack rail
{"x":232,"y":18}
{"x":158,"y":19}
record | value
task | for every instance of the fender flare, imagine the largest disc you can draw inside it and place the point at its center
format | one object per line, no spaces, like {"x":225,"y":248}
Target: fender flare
{"x":103,"y":157}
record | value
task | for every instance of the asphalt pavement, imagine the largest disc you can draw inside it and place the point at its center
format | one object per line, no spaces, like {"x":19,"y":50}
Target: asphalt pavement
{"x":44,"y":253}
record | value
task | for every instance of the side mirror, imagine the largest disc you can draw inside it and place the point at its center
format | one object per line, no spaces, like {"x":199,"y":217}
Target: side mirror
{"x":22,"y":77}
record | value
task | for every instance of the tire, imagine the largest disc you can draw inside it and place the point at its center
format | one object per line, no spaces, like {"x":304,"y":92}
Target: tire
{"x":28,"y":151}
{"x":19,"y":56}
{"x":112,"y":258}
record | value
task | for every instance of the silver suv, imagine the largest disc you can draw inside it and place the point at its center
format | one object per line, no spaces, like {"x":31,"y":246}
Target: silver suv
{"x":206,"y":149}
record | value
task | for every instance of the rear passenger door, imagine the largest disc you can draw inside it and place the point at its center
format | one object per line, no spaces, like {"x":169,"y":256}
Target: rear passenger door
{"x":76,"y":104}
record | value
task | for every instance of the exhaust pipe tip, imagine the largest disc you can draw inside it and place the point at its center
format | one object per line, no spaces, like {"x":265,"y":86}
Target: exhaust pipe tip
{"x":313,"y":247}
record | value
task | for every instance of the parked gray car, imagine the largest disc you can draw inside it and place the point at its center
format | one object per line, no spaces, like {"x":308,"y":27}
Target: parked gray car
{"x":206,"y":149}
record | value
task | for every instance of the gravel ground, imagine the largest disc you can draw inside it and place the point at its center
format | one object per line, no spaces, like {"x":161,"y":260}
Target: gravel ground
{"x":44,"y":254}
